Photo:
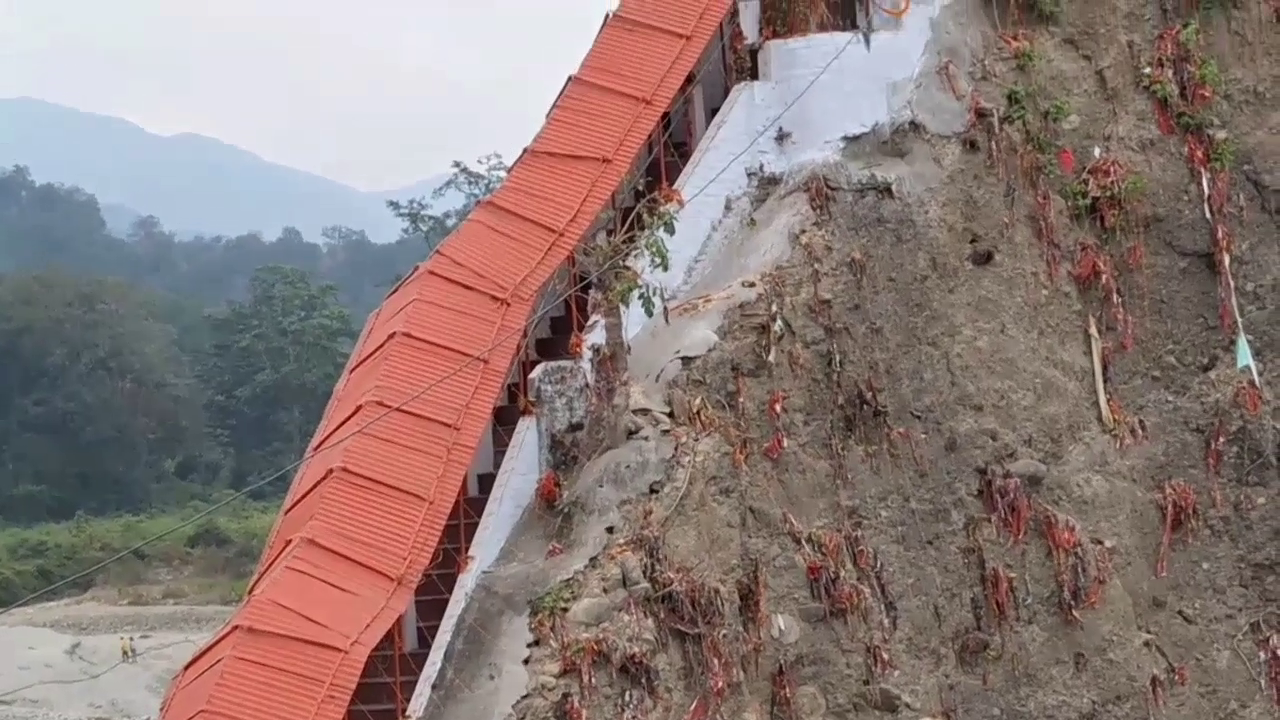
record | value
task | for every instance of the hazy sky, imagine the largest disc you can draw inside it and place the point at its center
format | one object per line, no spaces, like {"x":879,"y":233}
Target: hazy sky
{"x":374,"y":93}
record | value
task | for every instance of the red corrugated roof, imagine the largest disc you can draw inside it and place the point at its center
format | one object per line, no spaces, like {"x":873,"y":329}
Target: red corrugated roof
{"x":362,"y":519}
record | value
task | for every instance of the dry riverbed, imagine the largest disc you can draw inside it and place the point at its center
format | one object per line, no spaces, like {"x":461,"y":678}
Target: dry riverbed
{"x":61,"y":660}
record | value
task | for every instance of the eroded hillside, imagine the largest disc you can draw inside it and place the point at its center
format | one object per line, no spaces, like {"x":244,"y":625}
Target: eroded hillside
{"x":907,"y":481}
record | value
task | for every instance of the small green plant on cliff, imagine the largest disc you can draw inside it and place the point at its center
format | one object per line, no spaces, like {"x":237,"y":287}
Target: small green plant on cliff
{"x":1189,"y":34}
{"x":637,"y":253}
{"x":1025,"y":107}
{"x":555,"y":601}
{"x":1222,"y":154}
{"x":1026,"y":58}
{"x":1046,"y":11}
{"x":1104,"y":193}
{"x":1209,"y":75}
{"x":547,"y":610}
{"x":1058,"y":111}
{"x":1017,"y":100}
{"x":1162,"y":88}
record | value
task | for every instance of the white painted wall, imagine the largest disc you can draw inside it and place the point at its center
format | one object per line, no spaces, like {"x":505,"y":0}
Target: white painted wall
{"x":749,"y":20}
{"x":512,"y":492}
{"x":858,"y":91}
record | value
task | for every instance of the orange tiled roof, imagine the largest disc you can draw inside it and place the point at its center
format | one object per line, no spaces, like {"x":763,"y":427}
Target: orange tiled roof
{"x":362,"y":519}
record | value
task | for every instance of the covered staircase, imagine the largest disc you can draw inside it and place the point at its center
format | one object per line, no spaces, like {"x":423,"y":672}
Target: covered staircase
{"x":393,"y":668}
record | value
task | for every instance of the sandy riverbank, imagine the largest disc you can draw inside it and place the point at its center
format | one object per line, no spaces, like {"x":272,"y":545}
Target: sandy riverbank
{"x":61,"y":661}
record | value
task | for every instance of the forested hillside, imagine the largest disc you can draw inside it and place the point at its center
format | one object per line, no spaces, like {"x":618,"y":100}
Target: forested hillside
{"x":149,"y":376}
{"x":195,"y":183}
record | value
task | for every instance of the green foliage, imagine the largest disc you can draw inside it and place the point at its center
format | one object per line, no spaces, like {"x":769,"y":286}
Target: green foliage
{"x":46,"y":225}
{"x":100,"y":409}
{"x":271,"y":364}
{"x":143,"y":374}
{"x":1222,"y":154}
{"x":104,"y":414}
{"x":1027,"y":58}
{"x":555,"y":601}
{"x":222,"y":549}
{"x":1017,"y":101}
{"x":1209,"y":75}
{"x":422,"y":223}
{"x":1047,"y":11}
{"x":648,"y":253}
{"x":1058,"y":111}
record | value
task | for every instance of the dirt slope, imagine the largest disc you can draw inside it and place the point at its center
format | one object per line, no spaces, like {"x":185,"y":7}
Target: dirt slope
{"x":948,"y":530}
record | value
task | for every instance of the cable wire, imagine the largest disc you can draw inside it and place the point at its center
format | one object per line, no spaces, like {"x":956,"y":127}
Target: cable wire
{"x":533,"y":320}
{"x":95,"y":676}
{"x":768,"y":126}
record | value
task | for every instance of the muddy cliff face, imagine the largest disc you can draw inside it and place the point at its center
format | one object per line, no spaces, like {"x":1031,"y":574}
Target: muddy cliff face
{"x":909,"y":478}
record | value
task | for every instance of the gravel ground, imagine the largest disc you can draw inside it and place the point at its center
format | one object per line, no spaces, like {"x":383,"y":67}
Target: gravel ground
{"x":61,"y":661}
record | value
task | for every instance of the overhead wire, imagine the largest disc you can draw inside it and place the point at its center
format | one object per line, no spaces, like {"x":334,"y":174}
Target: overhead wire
{"x":247,"y":490}
{"x":292,"y":466}
{"x":643,"y":161}
{"x":770,"y":125}
{"x":747,"y":149}
{"x":95,"y":676}
{"x":647,"y":157}
{"x":478,"y":357}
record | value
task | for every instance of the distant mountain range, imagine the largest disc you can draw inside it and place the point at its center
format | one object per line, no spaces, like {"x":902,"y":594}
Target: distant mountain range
{"x":194,"y":184}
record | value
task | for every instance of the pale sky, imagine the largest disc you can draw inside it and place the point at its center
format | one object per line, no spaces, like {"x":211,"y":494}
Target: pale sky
{"x":373,"y":93}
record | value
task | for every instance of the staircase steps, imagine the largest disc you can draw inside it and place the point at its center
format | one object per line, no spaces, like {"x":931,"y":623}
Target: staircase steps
{"x":386,"y":687}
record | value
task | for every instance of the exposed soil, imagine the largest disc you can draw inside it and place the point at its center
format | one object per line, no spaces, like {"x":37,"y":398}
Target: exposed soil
{"x":946,"y":528}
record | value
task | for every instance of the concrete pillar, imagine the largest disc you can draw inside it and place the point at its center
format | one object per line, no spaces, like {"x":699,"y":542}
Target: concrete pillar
{"x":697,"y":106}
{"x":560,"y":394}
{"x":482,"y":461}
{"x":749,"y":20}
{"x":409,"y":626}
